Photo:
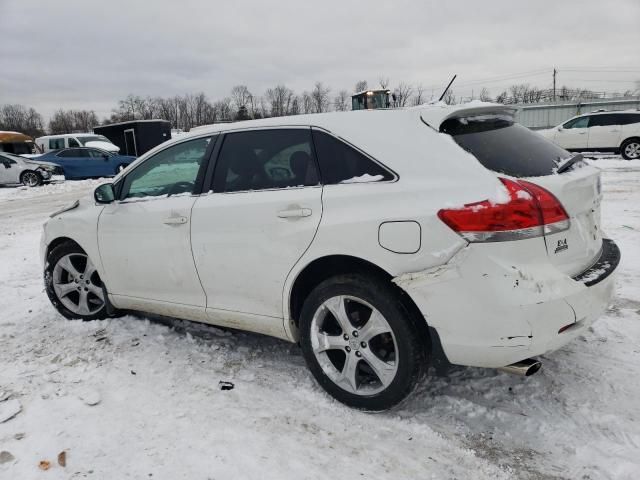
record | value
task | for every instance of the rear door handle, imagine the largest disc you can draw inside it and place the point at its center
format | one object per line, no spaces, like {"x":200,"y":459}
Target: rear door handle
{"x":175,"y":220}
{"x":295,"y":212}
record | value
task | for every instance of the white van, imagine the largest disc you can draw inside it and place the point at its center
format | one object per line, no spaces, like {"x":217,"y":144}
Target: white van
{"x":56,"y":142}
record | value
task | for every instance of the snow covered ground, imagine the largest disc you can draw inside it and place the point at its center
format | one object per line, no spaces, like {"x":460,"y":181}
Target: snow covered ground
{"x":130,"y":398}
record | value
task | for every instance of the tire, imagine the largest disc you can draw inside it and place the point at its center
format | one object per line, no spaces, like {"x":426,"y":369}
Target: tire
{"x":331,"y":353}
{"x":30,"y":178}
{"x":630,"y":149}
{"x":73,"y":285}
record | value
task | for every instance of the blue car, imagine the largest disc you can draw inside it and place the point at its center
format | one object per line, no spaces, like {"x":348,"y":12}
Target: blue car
{"x":79,"y":163}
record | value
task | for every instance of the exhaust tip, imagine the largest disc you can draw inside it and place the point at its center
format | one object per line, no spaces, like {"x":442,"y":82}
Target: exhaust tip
{"x":525,"y":368}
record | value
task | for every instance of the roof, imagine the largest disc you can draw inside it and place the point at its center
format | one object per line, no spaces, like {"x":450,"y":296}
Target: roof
{"x":372,"y":90}
{"x":131,"y":122}
{"x":65,"y":135}
{"x":10,"y":137}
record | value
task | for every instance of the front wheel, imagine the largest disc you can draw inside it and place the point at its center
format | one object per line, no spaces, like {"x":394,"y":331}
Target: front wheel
{"x":31,"y":179}
{"x":630,"y":149}
{"x":73,"y":284}
{"x":361,"y":343}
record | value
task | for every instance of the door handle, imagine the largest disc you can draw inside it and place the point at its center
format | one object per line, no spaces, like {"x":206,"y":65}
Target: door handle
{"x":175,"y":220}
{"x":295,"y":212}
{"x":581,"y":133}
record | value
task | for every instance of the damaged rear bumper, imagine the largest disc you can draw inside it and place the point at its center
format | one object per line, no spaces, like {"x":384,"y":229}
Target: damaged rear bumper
{"x":490,"y":311}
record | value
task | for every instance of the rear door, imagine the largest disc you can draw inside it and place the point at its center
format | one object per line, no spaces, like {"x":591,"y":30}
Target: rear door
{"x":604,"y":131}
{"x":574,"y":134}
{"x":261,"y":215}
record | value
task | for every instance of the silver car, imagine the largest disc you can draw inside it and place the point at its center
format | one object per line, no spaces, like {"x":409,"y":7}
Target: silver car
{"x":15,"y":170}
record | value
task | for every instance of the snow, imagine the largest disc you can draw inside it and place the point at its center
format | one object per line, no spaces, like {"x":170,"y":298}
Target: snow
{"x":365,"y":178}
{"x":161,"y":412}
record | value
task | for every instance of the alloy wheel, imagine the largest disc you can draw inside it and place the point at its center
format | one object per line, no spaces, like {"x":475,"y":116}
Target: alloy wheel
{"x":632,"y":150}
{"x":354,"y":345}
{"x":30,"y":179}
{"x":77,"y":284}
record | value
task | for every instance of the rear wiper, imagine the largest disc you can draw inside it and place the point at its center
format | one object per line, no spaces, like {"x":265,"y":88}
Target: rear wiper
{"x":563,"y":167}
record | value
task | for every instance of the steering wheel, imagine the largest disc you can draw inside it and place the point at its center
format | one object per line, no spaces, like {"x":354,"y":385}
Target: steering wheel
{"x":180,"y":187}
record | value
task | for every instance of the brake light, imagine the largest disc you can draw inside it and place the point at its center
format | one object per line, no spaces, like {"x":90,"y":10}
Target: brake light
{"x":530,"y":212}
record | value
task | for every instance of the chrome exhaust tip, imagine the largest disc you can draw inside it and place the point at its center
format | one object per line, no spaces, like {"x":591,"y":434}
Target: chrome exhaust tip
{"x":525,"y":368}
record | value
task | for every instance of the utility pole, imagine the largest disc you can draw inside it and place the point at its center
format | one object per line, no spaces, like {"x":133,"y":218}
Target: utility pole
{"x":555,"y":72}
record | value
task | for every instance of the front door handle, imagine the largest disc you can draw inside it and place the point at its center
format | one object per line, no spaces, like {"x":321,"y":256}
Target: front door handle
{"x":295,"y":212}
{"x":175,"y":220}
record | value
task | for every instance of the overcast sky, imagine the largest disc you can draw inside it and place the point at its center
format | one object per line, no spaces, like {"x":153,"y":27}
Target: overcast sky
{"x":87,"y":54}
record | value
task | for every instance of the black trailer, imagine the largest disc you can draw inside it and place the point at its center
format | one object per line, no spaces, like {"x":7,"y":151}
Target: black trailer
{"x":137,"y":136}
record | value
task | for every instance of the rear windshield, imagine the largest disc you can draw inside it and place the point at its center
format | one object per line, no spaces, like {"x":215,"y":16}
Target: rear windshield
{"x":504,"y":146}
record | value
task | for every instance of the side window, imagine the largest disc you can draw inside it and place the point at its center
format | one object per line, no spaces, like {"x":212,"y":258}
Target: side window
{"x":627,"y":118}
{"x":341,"y":163}
{"x":70,"y":153}
{"x":172,"y":171}
{"x":265,"y":159}
{"x":56,"y":143}
{"x":73,"y":142}
{"x":603,"y":120}
{"x":96,"y":153}
{"x":581,"y":122}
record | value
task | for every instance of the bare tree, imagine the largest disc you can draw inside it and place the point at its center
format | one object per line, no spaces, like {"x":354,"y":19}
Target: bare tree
{"x":341,"y":101}
{"x":241,"y":97}
{"x":449,"y":98}
{"x":307,"y":102}
{"x":384,"y":82}
{"x":279,"y":99}
{"x":320,"y":98}
{"x":402,"y":94}
{"x":20,"y":119}
{"x":361,"y":86}
{"x":418,"y":97}
{"x":485,"y":96}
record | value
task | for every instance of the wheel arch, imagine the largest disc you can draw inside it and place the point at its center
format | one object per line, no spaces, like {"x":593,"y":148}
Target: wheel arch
{"x":632,"y":137}
{"x":56,"y":242}
{"x":328,"y":266}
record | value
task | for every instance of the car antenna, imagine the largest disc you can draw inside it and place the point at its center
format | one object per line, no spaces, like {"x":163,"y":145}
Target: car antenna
{"x":447,"y":89}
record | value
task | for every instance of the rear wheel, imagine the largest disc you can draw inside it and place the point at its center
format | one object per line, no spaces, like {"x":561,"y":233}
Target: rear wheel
{"x":31,"y":179}
{"x":630,"y":149}
{"x":360,"y":342}
{"x":73,"y":284}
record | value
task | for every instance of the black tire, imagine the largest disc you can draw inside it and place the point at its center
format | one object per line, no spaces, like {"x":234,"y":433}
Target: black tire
{"x":57,"y":254}
{"x":411,"y":351}
{"x":29,"y":178}
{"x":626,"y":144}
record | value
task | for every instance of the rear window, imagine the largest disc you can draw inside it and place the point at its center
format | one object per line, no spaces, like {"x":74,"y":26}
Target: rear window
{"x":504,"y":146}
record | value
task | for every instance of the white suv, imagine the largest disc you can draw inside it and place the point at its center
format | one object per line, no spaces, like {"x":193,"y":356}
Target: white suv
{"x":382,"y":241}
{"x":617,"y":132}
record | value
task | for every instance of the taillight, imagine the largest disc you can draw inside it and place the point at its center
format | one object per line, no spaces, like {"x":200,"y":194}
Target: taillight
{"x":530,"y":212}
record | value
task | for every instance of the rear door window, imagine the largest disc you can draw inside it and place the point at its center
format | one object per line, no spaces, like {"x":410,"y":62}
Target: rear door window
{"x":503,"y":146}
{"x":341,"y":163}
{"x":266,"y":159}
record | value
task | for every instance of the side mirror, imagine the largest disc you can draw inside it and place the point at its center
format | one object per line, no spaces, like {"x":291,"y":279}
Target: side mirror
{"x":6,"y":164}
{"x":560,"y":128}
{"x":104,"y":194}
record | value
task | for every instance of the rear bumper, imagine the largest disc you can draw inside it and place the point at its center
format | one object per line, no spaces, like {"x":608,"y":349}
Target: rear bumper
{"x":489,"y":312}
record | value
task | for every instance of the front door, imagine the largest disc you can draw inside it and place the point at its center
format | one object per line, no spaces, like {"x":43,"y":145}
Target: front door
{"x":261,"y":217}
{"x":145,"y":236}
{"x":574,"y":134}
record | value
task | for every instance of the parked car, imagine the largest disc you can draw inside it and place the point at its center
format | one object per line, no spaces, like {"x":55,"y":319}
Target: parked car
{"x":57,"y":142}
{"x":15,"y":170}
{"x":79,"y":163}
{"x":383,"y":241}
{"x":617,"y":132}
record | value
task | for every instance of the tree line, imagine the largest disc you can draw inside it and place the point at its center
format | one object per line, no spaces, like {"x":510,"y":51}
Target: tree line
{"x":194,"y":109}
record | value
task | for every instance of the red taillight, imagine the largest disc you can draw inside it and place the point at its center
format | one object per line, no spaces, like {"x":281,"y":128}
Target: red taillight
{"x":530,"y":212}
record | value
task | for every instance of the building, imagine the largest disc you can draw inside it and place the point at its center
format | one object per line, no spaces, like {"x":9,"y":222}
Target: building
{"x":137,"y":136}
{"x":370,"y":99}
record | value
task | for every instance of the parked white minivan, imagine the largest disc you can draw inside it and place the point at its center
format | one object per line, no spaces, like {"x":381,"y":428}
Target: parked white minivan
{"x":382,"y":241}
{"x":69,"y":140}
{"x":617,"y":132}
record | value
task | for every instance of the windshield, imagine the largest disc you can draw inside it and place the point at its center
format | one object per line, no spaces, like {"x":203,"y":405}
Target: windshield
{"x":93,"y":138}
{"x":504,"y":146}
